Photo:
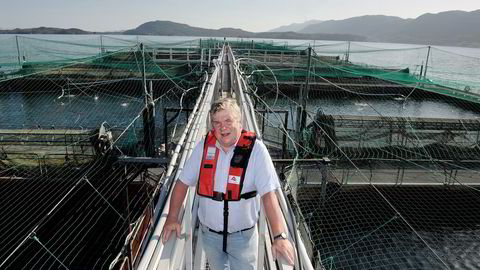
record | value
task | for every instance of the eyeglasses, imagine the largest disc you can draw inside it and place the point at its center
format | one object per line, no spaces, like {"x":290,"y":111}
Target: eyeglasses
{"x":226,"y":123}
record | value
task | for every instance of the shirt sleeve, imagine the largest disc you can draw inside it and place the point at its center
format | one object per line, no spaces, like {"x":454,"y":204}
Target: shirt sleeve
{"x":191,"y":169}
{"x":265,"y":176}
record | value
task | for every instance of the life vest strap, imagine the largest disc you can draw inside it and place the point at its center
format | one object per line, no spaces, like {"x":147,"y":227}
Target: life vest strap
{"x":225,"y":225}
{"x":220,"y":196}
{"x":248,"y":195}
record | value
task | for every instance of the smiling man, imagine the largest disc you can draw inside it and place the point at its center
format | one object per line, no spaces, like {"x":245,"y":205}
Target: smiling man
{"x":232,"y":171}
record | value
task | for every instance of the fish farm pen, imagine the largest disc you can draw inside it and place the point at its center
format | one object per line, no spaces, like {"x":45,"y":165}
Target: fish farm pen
{"x":380,"y":163}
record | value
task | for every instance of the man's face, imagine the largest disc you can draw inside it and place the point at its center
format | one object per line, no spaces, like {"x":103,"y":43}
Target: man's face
{"x":226,"y":127}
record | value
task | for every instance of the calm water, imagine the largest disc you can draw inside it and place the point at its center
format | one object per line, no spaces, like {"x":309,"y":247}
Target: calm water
{"x":19,"y":110}
{"x":363,"y":107}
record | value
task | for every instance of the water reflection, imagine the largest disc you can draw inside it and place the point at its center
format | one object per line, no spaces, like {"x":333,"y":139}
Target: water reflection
{"x":386,"y":107}
{"x":20,"y":110}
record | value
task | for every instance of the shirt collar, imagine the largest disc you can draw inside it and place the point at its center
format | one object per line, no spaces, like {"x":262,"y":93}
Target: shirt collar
{"x":217,"y":144}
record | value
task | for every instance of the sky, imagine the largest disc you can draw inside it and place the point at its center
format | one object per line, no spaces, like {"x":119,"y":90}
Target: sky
{"x":249,"y":15}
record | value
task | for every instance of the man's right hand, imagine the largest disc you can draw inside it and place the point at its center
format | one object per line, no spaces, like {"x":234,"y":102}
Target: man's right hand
{"x":171,"y":226}
{"x":178,"y":195}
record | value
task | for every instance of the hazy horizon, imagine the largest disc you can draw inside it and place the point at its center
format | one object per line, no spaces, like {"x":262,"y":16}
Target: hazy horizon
{"x":249,"y":15}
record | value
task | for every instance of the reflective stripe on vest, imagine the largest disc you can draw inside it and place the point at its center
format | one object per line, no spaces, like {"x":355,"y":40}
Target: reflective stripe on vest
{"x":236,"y":173}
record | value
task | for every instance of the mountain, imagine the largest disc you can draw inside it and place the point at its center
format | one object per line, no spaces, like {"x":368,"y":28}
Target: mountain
{"x":457,"y":28}
{"x":450,"y":28}
{"x":294,"y":27}
{"x":317,"y":36}
{"x":45,"y":30}
{"x":168,"y":28}
{"x":368,"y":25}
{"x":55,"y":31}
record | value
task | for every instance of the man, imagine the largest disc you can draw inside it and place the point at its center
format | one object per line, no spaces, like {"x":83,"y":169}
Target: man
{"x":230,"y":168}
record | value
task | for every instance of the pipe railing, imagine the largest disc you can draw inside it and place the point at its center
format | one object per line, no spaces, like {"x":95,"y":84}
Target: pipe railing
{"x":292,"y":228}
{"x":161,"y":203}
{"x":157,"y":255}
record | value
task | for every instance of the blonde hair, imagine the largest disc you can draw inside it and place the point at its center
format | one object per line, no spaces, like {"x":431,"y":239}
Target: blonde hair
{"x":226,"y":104}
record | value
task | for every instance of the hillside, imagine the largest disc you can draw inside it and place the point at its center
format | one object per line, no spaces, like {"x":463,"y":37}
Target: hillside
{"x":294,"y":27}
{"x":451,"y":28}
{"x":168,"y":28}
{"x":45,"y":30}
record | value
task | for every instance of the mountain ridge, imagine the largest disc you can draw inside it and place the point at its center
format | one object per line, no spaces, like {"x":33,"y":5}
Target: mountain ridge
{"x":294,"y":27}
{"x":449,"y":28}
{"x":168,"y":28}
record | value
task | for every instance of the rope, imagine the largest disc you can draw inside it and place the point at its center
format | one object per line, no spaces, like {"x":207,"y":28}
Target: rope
{"x":34,"y":237}
{"x":111,"y":206}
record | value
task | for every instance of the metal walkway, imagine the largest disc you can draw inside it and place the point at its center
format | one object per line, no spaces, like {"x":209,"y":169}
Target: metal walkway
{"x":186,"y":252}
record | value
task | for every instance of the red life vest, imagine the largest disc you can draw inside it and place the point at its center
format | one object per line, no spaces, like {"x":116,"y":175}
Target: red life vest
{"x":236,"y":173}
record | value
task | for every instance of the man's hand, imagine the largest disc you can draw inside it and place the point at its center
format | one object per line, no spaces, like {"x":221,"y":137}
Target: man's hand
{"x":285,"y":249}
{"x":275,"y":218}
{"x":179,"y":192}
{"x":170,"y":226}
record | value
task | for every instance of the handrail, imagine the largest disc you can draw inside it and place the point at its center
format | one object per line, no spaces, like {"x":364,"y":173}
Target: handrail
{"x":292,"y":228}
{"x":187,"y":220}
{"x":252,"y":124}
{"x":154,"y":253}
{"x":148,"y":251}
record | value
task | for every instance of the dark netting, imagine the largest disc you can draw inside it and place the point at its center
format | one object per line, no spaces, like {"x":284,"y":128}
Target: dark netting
{"x":384,"y":172}
{"x":69,"y":112}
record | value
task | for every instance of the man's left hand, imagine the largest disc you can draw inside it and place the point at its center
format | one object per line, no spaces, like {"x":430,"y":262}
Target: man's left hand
{"x":285,"y":249}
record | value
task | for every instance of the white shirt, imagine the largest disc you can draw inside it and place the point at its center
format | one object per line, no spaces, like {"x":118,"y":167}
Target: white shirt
{"x":260,"y":176}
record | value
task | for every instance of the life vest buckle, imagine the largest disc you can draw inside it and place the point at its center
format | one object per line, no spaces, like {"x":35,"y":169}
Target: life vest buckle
{"x":218,"y":196}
